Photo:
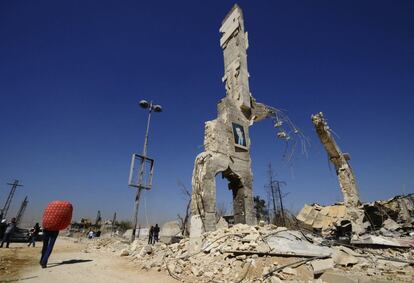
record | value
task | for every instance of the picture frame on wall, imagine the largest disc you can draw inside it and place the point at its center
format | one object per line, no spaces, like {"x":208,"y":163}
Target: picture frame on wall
{"x":239,"y":136}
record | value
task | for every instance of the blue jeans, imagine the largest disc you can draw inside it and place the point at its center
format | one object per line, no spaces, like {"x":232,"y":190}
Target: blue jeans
{"x":49,"y":239}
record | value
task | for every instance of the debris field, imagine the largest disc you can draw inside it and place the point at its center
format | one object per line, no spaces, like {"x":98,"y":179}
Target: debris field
{"x":267,"y":253}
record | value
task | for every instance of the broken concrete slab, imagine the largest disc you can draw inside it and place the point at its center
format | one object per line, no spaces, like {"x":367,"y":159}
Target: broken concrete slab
{"x":321,"y":265}
{"x":169,"y":232}
{"x":145,"y":250}
{"x":391,"y":225}
{"x":322,"y":217}
{"x":344,"y":258}
{"x":293,"y":242}
{"x":250,"y":238}
{"x":378,"y":241}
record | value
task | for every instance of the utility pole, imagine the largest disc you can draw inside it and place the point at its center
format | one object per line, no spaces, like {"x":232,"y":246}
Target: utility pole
{"x":151,"y":107}
{"x":21,"y":210}
{"x":281,"y":202}
{"x":6,"y":206}
{"x":276,"y":196}
{"x":272,"y":191}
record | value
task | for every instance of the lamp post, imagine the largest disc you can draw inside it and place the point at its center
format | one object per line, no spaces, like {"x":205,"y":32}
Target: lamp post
{"x":151,"y":107}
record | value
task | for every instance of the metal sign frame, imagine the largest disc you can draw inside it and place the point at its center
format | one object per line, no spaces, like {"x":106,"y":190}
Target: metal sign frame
{"x":142,"y":160}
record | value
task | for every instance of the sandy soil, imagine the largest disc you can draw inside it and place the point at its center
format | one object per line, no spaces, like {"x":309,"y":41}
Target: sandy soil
{"x":69,"y":263}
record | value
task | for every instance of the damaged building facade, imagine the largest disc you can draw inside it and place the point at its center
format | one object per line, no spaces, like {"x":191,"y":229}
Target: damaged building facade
{"x":226,"y":138}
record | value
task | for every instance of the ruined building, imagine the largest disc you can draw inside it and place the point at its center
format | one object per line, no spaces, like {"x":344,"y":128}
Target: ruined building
{"x":352,"y":212}
{"x":226,"y":138}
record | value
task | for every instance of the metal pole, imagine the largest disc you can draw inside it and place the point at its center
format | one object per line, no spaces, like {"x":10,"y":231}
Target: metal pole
{"x":144,"y":151}
{"x":140,"y":175}
{"x":281,"y":203}
{"x":21,"y":211}
{"x":272,"y":191}
{"x":6,"y":207}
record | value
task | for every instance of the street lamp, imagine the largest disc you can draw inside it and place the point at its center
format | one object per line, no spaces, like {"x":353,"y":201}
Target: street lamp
{"x":151,"y":107}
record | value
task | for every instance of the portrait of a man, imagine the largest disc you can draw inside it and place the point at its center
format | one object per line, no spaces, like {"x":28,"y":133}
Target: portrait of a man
{"x":239,"y":136}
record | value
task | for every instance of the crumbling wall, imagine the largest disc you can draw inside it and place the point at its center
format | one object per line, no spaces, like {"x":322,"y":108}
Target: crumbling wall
{"x":226,"y":139}
{"x":344,"y":172}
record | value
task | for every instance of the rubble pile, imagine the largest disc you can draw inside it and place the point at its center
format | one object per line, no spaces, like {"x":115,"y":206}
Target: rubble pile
{"x":245,"y":253}
{"x":391,"y":218}
{"x":394,"y":214}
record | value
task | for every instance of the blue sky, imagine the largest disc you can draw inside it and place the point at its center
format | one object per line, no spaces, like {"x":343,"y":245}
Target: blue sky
{"x":72,"y":73}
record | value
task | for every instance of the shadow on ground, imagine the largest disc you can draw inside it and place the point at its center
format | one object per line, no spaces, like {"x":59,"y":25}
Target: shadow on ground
{"x":18,"y":279}
{"x":71,"y":261}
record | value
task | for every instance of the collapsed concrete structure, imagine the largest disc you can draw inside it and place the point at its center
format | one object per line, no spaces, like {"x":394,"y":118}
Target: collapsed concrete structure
{"x":226,"y":139}
{"x":391,"y":218}
{"x":353,"y":217}
{"x":343,"y":169}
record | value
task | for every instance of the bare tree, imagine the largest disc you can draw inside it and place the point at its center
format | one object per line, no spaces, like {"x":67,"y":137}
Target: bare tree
{"x":260,"y":208}
{"x":184,"y":220}
{"x":221,"y":210}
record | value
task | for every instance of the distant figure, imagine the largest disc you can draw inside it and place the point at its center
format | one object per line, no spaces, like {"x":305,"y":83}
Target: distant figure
{"x":34,"y":232}
{"x":151,"y":235}
{"x":90,"y":234}
{"x":9,"y":231}
{"x":3,"y":226}
{"x":156,"y":233}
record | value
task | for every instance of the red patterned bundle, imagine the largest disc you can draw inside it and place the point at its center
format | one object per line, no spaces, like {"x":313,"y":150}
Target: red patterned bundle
{"x":57,"y":215}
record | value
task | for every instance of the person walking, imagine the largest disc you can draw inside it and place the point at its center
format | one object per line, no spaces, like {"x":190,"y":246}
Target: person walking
{"x":8,"y":233}
{"x":3,"y":226}
{"x":34,"y":232}
{"x":151,"y":235}
{"x":49,"y":239}
{"x":156,"y":233}
{"x":57,"y":216}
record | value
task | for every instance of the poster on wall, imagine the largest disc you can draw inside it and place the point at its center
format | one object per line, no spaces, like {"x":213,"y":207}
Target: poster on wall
{"x":239,"y":136}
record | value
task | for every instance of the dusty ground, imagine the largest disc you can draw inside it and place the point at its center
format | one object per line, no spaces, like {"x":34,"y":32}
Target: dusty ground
{"x":69,"y":263}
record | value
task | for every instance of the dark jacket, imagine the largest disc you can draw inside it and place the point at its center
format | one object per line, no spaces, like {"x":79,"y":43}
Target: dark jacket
{"x":36,"y":230}
{"x":3,"y":227}
{"x":10,"y":228}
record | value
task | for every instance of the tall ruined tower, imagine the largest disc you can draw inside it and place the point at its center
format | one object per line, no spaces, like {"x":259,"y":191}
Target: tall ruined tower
{"x":226,"y":138}
{"x":234,"y":42}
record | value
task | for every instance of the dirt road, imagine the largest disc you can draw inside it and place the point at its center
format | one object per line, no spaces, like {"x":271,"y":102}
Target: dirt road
{"x":69,"y":263}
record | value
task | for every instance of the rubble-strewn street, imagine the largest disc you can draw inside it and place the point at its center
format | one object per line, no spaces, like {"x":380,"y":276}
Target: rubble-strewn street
{"x":266,"y":254}
{"x":70,"y":263}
